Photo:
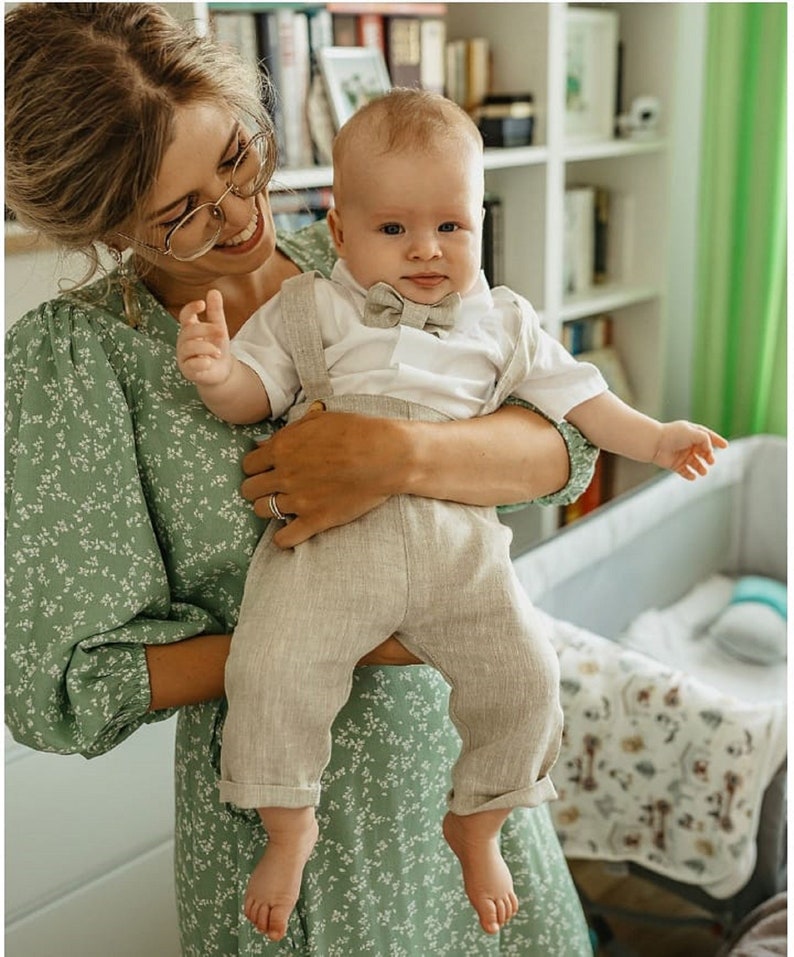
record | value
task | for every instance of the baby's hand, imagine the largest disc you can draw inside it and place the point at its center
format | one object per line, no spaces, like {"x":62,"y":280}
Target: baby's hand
{"x":202,"y":347}
{"x":687,"y":448}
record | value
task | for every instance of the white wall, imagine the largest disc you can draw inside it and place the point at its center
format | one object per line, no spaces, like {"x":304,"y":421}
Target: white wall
{"x":89,"y":851}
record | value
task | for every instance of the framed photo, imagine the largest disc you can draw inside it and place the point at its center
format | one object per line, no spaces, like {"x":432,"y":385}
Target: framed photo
{"x":353,"y":76}
{"x":591,"y":61}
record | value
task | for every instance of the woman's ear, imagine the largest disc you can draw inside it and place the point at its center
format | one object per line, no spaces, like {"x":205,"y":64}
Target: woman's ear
{"x":335,"y":226}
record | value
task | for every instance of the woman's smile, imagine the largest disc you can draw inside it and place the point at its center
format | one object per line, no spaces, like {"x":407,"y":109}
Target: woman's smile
{"x":247,"y":238}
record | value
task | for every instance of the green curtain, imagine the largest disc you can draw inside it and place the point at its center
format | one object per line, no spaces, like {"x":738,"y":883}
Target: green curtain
{"x":739,"y":385}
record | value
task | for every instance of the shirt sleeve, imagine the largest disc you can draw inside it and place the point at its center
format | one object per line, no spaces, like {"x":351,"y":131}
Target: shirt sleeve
{"x":86,"y":587}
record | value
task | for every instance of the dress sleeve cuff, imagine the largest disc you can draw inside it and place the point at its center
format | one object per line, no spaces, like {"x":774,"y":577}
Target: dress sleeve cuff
{"x":582,"y":457}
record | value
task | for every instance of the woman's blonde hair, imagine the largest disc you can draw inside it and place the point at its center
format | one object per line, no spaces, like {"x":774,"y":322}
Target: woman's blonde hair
{"x":90,"y":94}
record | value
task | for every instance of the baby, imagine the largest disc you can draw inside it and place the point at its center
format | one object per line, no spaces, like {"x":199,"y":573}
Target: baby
{"x":405,"y":327}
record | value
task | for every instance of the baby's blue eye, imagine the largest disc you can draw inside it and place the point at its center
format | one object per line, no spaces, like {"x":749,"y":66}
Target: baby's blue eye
{"x":447,"y":227}
{"x":391,"y":229}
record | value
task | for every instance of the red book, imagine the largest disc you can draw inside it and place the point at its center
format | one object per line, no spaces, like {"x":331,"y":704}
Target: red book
{"x":372,"y":31}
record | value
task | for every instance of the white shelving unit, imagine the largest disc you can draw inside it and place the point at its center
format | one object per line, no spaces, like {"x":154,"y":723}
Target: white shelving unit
{"x":651,"y":231}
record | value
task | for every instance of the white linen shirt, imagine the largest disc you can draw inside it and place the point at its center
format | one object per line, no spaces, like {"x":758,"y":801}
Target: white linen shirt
{"x":454,"y":372}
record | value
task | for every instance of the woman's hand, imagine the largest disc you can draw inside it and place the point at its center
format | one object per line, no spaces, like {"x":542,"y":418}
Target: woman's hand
{"x":327,"y":469}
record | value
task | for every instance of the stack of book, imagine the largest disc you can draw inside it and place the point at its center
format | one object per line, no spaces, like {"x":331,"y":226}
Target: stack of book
{"x":284,"y":42}
{"x":590,"y":340}
{"x":293,"y":209}
{"x":411,"y":36}
{"x":468,"y":72}
{"x":585,"y":250}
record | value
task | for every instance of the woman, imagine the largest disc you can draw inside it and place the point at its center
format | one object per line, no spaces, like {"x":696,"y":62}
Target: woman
{"x":120,"y":604}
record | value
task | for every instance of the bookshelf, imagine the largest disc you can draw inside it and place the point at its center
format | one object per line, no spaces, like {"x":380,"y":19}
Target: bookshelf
{"x":650,"y":289}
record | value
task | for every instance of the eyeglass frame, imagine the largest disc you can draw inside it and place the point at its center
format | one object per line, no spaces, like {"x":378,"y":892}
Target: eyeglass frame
{"x":217,"y":210}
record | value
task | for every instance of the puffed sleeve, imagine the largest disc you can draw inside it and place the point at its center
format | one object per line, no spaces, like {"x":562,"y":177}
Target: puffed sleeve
{"x":86,"y":586}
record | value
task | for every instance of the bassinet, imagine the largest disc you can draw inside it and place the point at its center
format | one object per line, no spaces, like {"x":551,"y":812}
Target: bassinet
{"x":661,"y":767}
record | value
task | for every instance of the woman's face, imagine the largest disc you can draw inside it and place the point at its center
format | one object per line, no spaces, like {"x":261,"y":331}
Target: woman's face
{"x":196,"y":168}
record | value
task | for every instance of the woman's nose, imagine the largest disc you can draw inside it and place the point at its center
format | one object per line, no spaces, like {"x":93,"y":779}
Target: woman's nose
{"x":236,"y":209}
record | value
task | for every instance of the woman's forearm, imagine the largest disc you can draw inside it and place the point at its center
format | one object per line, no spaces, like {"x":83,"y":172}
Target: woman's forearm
{"x":192,"y":671}
{"x":330,"y":468}
{"x":514,"y":455}
{"x":187,"y":672}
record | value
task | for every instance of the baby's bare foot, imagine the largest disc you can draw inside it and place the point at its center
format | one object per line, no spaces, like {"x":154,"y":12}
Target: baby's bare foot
{"x":474,"y":838}
{"x":275,"y":883}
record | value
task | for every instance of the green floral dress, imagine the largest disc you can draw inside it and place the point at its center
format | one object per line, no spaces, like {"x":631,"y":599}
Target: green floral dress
{"x":125,"y":527}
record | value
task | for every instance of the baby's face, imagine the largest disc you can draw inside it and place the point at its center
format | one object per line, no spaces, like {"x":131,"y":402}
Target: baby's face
{"x":412,"y":220}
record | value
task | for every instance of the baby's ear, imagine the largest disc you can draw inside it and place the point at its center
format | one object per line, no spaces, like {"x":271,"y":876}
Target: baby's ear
{"x":334,"y":221}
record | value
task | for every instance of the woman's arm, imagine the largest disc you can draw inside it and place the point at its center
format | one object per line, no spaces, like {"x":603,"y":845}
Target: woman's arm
{"x":192,"y":671}
{"x":330,"y":468}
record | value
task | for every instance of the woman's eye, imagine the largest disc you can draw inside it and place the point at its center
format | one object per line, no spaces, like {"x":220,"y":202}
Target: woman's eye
{"x":391,"y":229}
{"x":447,"y":227}
{"x":242,"y":145}
{"x":175,"y":220}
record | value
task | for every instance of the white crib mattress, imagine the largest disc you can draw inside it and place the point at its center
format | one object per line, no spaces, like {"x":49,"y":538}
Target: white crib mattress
{"x":678,"y":636}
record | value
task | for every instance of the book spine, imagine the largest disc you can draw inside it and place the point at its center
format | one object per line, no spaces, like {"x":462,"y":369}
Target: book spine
{"x":478,"y":71}
{"x":493,"y":241}
{"x":267,"y":30}
{"x":372,"y":31}
{"x":294,"y":77}
{"x":455,"y":71}
{"x":578,"y":240}
{"x":404,"y":51}
{"x":600,"y":234}
{"x":345,"y":27}
{"x":433,"y":45}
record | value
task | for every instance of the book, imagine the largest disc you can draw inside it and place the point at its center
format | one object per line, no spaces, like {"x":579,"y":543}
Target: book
{"x":609,"y":364}
{"x":455,"y":70}
{"x":478,"y":72}
{"x":293,"y":209}
{"x":578,"y":239}
{"x":600,"y":235}
{"x":404,"y":51}
{"x":493,"y":241}
{"x":345,"y":27}
{"x":294,"y":77}
{"x":596,"y":493}
{"x":585,"y":335}
{"x":371,"y":31}
{"x":396,"y":9}
{"x":236,"y":30}
{"x":267,"y":34}
{"x":433,"y":44}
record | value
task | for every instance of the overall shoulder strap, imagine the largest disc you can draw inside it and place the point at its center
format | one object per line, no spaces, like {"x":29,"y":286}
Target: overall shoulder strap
{"x":302,"y":326}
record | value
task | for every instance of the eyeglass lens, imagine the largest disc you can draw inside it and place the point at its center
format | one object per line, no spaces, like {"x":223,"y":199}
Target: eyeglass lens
{"x":198,"y":232}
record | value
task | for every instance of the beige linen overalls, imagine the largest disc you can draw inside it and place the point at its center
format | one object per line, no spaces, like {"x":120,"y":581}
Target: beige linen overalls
{"x":437,"y":575}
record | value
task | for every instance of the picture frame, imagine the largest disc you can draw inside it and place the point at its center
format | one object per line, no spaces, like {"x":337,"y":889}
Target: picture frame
{"x":591,"y":59}
{"x":353,"y":76}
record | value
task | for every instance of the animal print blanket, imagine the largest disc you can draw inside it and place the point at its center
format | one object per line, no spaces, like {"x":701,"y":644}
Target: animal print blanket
{"x":658,"y":767}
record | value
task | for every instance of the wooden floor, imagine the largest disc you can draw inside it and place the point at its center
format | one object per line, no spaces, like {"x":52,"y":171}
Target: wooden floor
{"x":609,"y":886}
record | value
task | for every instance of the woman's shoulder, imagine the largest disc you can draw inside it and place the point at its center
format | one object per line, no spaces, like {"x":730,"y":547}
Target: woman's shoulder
{"x":92,"y":313}
{"x":310,"y":247}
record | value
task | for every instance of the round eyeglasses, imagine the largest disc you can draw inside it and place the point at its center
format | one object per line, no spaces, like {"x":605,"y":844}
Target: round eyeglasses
{"x":195,"y":233}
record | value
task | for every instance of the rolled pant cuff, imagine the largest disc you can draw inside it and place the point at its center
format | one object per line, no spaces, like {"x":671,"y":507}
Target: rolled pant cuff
{"x":268,"y":795}
{"x":538,"y":793}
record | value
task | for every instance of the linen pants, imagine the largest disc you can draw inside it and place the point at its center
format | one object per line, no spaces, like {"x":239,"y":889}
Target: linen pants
{"x":436,"y":574}
{"x":439,"y":576}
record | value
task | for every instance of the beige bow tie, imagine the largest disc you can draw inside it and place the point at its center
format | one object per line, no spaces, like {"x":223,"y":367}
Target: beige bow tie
{"x":385,"y":308}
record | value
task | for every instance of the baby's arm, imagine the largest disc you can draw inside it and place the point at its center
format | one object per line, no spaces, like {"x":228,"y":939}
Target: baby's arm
{"x":615,"y":427}
{"x":228,"y":387}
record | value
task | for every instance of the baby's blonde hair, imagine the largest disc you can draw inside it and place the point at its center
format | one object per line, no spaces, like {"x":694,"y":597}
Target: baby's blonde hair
{"x":404,"y":120}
